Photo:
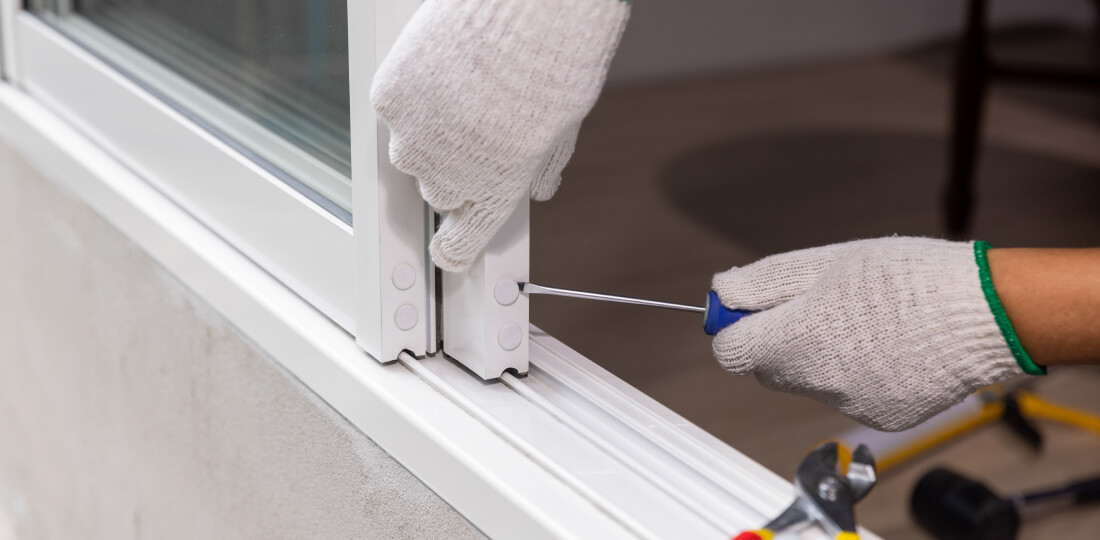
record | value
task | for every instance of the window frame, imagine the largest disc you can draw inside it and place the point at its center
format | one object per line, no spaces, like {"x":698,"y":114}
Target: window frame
{"x":397,"y":224}
{"x":568,"y":450}
{"x":344,"y":271}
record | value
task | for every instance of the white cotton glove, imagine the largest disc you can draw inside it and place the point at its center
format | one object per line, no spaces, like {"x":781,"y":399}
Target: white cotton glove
{"x":888,"y":331}
{"x":484,"y":99}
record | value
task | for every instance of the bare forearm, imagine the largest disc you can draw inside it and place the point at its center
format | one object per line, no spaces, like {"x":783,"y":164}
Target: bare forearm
{"x":1052,"y":297}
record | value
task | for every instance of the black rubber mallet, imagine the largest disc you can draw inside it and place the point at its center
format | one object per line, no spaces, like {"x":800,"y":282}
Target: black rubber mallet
{"x":951,"y":506}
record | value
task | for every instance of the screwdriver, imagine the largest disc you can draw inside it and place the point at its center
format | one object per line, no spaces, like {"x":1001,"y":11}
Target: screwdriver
{"x":715,"y":315}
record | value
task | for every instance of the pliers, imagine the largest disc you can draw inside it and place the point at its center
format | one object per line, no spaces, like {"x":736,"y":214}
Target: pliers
{"x":824,"y":495}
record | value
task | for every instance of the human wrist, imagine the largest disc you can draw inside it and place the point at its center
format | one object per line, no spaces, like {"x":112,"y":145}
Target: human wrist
{"x":1052,"y":297}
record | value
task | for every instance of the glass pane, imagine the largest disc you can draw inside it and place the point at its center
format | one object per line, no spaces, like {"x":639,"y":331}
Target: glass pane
{"x":269,"y":76}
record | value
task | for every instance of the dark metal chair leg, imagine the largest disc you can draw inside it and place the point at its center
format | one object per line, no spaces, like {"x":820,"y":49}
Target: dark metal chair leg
{"x":1096,"y":31}
{"x":971,"y":81}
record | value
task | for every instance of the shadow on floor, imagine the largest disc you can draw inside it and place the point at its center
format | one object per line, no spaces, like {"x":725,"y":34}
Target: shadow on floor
{"x":796,"y":190}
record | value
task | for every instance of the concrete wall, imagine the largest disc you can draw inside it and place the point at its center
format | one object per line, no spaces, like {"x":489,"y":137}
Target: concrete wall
{"x":674,"y":38}
{"x":130,"y":409}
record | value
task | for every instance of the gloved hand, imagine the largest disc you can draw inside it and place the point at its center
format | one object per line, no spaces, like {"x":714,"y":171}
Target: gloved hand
{"x":484,"y":99}
{"x":888,"y":331}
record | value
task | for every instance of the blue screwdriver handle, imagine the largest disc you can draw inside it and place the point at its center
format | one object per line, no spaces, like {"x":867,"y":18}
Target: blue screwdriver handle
{"x":718,"y":316}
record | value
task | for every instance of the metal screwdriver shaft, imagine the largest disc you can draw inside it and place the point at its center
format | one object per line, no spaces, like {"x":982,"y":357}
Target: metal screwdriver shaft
{"x":715,"y":315}
{"x":531,"y":288}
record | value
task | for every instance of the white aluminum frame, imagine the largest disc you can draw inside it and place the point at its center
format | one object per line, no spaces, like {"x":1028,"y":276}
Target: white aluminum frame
{"x":392,"y":225}
{"x":348,"y":276}
{"x":482,"y":307}
{"x":487,"y":336}
{"x":569,"y":451}
{"x":349,"y":273}
{"x":482,"y":475}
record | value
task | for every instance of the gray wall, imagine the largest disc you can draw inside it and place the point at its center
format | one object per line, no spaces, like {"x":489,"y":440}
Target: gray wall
{"x":672,"y":38}
{"x":130,"y":409}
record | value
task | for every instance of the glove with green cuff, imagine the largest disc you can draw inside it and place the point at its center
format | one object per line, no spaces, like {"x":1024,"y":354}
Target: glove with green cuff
{"x":888,"y":331}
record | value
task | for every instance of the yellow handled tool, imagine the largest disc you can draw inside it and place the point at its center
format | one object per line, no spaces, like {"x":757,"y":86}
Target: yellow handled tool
{"x":824,"y":496}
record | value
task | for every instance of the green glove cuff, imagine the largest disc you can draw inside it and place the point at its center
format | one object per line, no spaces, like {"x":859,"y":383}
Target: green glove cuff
{"x":1022,"y":358}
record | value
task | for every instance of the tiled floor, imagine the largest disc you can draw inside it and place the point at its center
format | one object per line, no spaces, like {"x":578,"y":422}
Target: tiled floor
{"x":674,"y":181}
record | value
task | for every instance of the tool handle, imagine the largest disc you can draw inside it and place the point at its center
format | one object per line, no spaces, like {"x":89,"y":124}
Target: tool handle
{"x":760,"y":534}
{"x":766,"y":534}
{"x":1080,"y":492}
{"x":716,"y":317}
